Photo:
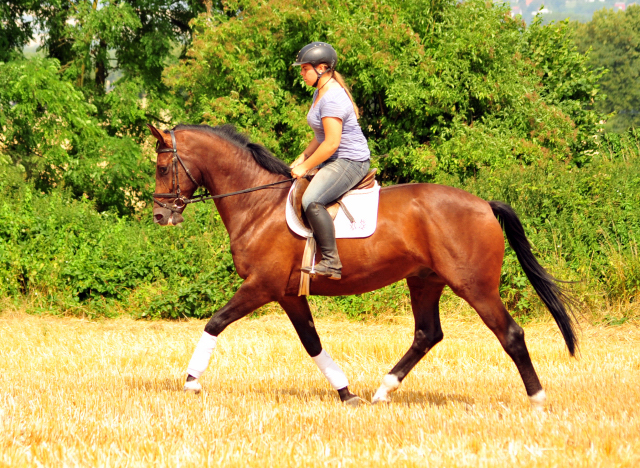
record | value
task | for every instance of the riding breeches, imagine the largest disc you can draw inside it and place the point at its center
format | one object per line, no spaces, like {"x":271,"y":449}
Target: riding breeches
{"x":333,"y":180}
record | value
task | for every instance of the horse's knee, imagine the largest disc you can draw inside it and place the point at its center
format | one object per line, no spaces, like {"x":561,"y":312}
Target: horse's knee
{"x":215,"y":325}
{"x":424,"y":341}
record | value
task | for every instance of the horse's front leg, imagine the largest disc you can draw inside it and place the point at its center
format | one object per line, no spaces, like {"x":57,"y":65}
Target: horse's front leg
{"x":297,"y":309}
{"x":250,"y":296}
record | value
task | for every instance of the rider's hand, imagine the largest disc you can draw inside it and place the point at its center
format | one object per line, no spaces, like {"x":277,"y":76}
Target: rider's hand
{"x":298,"y":161}
{"x":298,"y":171}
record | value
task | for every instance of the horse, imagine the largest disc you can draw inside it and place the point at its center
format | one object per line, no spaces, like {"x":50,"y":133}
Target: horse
{"x":430,"y":235}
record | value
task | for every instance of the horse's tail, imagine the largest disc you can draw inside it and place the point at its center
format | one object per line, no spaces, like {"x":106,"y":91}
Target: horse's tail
{"x":556,"y":300}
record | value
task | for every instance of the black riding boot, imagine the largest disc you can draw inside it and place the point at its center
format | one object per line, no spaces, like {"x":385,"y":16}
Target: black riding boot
{"x":325,"y":235}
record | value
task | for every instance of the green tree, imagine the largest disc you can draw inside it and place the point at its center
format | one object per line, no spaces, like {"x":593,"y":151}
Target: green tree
{"x":15,"y":30}
{"x":93,"y":38}
{"x":60,"y":121}
{"x":614,"y":38}
{"x":442,"y":86}
{"x":568,"y":80}
{"x":48,"y":131}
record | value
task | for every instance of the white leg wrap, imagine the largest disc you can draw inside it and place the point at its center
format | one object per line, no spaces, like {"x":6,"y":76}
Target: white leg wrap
{"x":538,"y":400}
{"x":331,"y":371}
{"x":390,"y":383}
{"x":202,"y":354}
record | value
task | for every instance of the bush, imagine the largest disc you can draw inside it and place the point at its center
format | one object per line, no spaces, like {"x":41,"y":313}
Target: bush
{"x":63,"y":253}
{"x":581,"y":221}
{"x":65,"y":256}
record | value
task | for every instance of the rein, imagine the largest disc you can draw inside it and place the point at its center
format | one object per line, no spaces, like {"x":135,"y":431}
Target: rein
{"x":179,"y":202}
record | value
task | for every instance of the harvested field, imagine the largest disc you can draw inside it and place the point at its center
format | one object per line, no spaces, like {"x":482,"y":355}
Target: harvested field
{"x":108,"y":393}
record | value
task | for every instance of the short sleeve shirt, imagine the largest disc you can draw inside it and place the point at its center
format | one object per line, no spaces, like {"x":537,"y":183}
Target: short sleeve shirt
{"x":336,"y":103}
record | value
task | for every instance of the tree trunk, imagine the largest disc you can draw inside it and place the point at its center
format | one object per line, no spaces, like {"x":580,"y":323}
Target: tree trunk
{"x":102,"y":68}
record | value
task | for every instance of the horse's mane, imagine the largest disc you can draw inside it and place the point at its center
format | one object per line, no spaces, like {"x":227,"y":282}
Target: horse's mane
{"x":260,"y":154}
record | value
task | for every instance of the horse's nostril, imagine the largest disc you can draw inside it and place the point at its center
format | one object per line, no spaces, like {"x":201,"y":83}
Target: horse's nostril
{"x":158,"y":217}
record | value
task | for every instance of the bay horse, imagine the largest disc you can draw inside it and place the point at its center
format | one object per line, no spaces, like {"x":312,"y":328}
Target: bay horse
{"x":431,"y":235}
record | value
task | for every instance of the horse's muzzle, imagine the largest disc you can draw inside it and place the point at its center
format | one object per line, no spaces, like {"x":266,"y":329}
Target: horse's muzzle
{"x":165,"y":217}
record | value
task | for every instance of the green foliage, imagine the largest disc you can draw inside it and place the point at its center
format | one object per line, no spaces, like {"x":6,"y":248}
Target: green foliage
{"x":92,"y":32}
{"x":99,"y":40}
{"x":43,"y":117}
{"x":567,"y":81}
{"x":582,"y":222}
{"x":450,"y":92}
{"x":141,"y":33}
{"x":614,"y":38}
{"x":443,"y":86}
{"x":49,"y":131}
{"x":15,"y":32}
{"x":392,"y":300}
{"x":64,"y":254}
{"x":136,"y":38}
{"x":67,"y":257}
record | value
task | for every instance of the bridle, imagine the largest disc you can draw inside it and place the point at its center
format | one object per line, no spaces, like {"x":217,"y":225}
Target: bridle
{"x":179,"y":201}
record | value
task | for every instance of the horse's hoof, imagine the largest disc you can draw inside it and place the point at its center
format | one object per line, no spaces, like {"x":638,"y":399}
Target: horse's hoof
{"x":355,"y":401}
{"x":390,"y":383}
{"x":379,"y":401}
{"x":192,"y":387}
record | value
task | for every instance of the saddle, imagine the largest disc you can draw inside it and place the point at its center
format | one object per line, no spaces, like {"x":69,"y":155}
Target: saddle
{"x":302,"y":183}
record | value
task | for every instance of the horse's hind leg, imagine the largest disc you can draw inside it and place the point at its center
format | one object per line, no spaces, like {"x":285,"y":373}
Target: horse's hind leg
{"x":511,"y":336}
{"x":297,"y":309}
{"x":425,"y":297}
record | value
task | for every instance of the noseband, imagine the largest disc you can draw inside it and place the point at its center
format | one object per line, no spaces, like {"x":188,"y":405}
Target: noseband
{"x":179,"y":201}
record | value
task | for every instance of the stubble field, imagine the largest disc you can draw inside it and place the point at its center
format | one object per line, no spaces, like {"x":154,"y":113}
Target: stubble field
{"x":108,"y":393}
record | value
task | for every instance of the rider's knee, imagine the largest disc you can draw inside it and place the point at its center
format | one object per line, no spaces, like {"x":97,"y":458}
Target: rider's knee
{"x":306,"y":201}
{"x":312,"y":205}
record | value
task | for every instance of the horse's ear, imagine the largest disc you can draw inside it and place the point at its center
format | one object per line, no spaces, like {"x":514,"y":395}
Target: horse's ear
{"x":162,"y":138}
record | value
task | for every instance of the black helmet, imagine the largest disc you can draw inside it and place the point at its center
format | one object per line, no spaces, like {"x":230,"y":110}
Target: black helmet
{"x":317,"y":53}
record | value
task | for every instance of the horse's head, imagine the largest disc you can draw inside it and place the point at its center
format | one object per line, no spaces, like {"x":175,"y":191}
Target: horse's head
{"x":174,"y":179}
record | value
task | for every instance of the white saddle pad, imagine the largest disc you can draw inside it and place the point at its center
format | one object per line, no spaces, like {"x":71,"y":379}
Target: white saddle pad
{"x":363,"y":206}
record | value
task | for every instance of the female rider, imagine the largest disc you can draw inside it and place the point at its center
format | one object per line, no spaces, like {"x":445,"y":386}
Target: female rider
{"x":339,"y":148}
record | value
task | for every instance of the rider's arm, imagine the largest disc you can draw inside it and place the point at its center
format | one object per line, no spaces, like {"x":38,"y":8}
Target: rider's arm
{"x":332,"y":136}
{"x":308,"y":151}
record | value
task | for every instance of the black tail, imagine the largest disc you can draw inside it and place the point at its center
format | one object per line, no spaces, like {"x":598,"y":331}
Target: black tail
{"x":556,"y":300}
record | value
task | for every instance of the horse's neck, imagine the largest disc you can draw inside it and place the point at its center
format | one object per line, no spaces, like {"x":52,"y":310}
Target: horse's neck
{"x":239,"y":171}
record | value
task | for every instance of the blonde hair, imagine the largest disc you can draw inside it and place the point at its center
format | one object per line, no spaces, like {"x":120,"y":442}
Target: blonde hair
{"x":338,"y":77}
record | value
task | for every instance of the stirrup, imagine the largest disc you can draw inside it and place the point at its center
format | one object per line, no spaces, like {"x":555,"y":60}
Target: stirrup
{"x":322,"y":270}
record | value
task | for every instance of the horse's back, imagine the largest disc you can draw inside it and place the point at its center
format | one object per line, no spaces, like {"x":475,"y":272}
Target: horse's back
{"x":429,"y":203}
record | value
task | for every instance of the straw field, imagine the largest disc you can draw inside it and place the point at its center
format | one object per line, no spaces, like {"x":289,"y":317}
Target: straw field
{"x":108,"y":393}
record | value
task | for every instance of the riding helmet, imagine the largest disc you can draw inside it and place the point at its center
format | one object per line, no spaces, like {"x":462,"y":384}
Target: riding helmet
{"x":317,"y":53}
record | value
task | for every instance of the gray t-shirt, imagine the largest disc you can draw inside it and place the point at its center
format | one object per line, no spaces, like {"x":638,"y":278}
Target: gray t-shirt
{"x":336,"y":103}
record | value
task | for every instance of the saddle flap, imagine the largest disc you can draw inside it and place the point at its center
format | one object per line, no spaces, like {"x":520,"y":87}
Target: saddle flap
{"x":296,"y":198}
{"x":302,"y":183}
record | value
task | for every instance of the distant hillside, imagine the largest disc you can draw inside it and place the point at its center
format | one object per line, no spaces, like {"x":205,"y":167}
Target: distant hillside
{"x":555,"y":10}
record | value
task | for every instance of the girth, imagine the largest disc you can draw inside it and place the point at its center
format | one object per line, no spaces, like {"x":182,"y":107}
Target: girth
{"x":368,"y":181}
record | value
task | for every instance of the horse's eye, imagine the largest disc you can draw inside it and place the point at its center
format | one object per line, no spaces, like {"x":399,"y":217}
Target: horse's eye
{"x":163,"y":170}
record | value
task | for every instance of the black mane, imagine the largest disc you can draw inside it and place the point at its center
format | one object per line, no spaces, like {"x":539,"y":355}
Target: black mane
{"x":260,"y":154}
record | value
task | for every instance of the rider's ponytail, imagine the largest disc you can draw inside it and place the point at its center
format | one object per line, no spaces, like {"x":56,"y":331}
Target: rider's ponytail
{"x":338,"y":77}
